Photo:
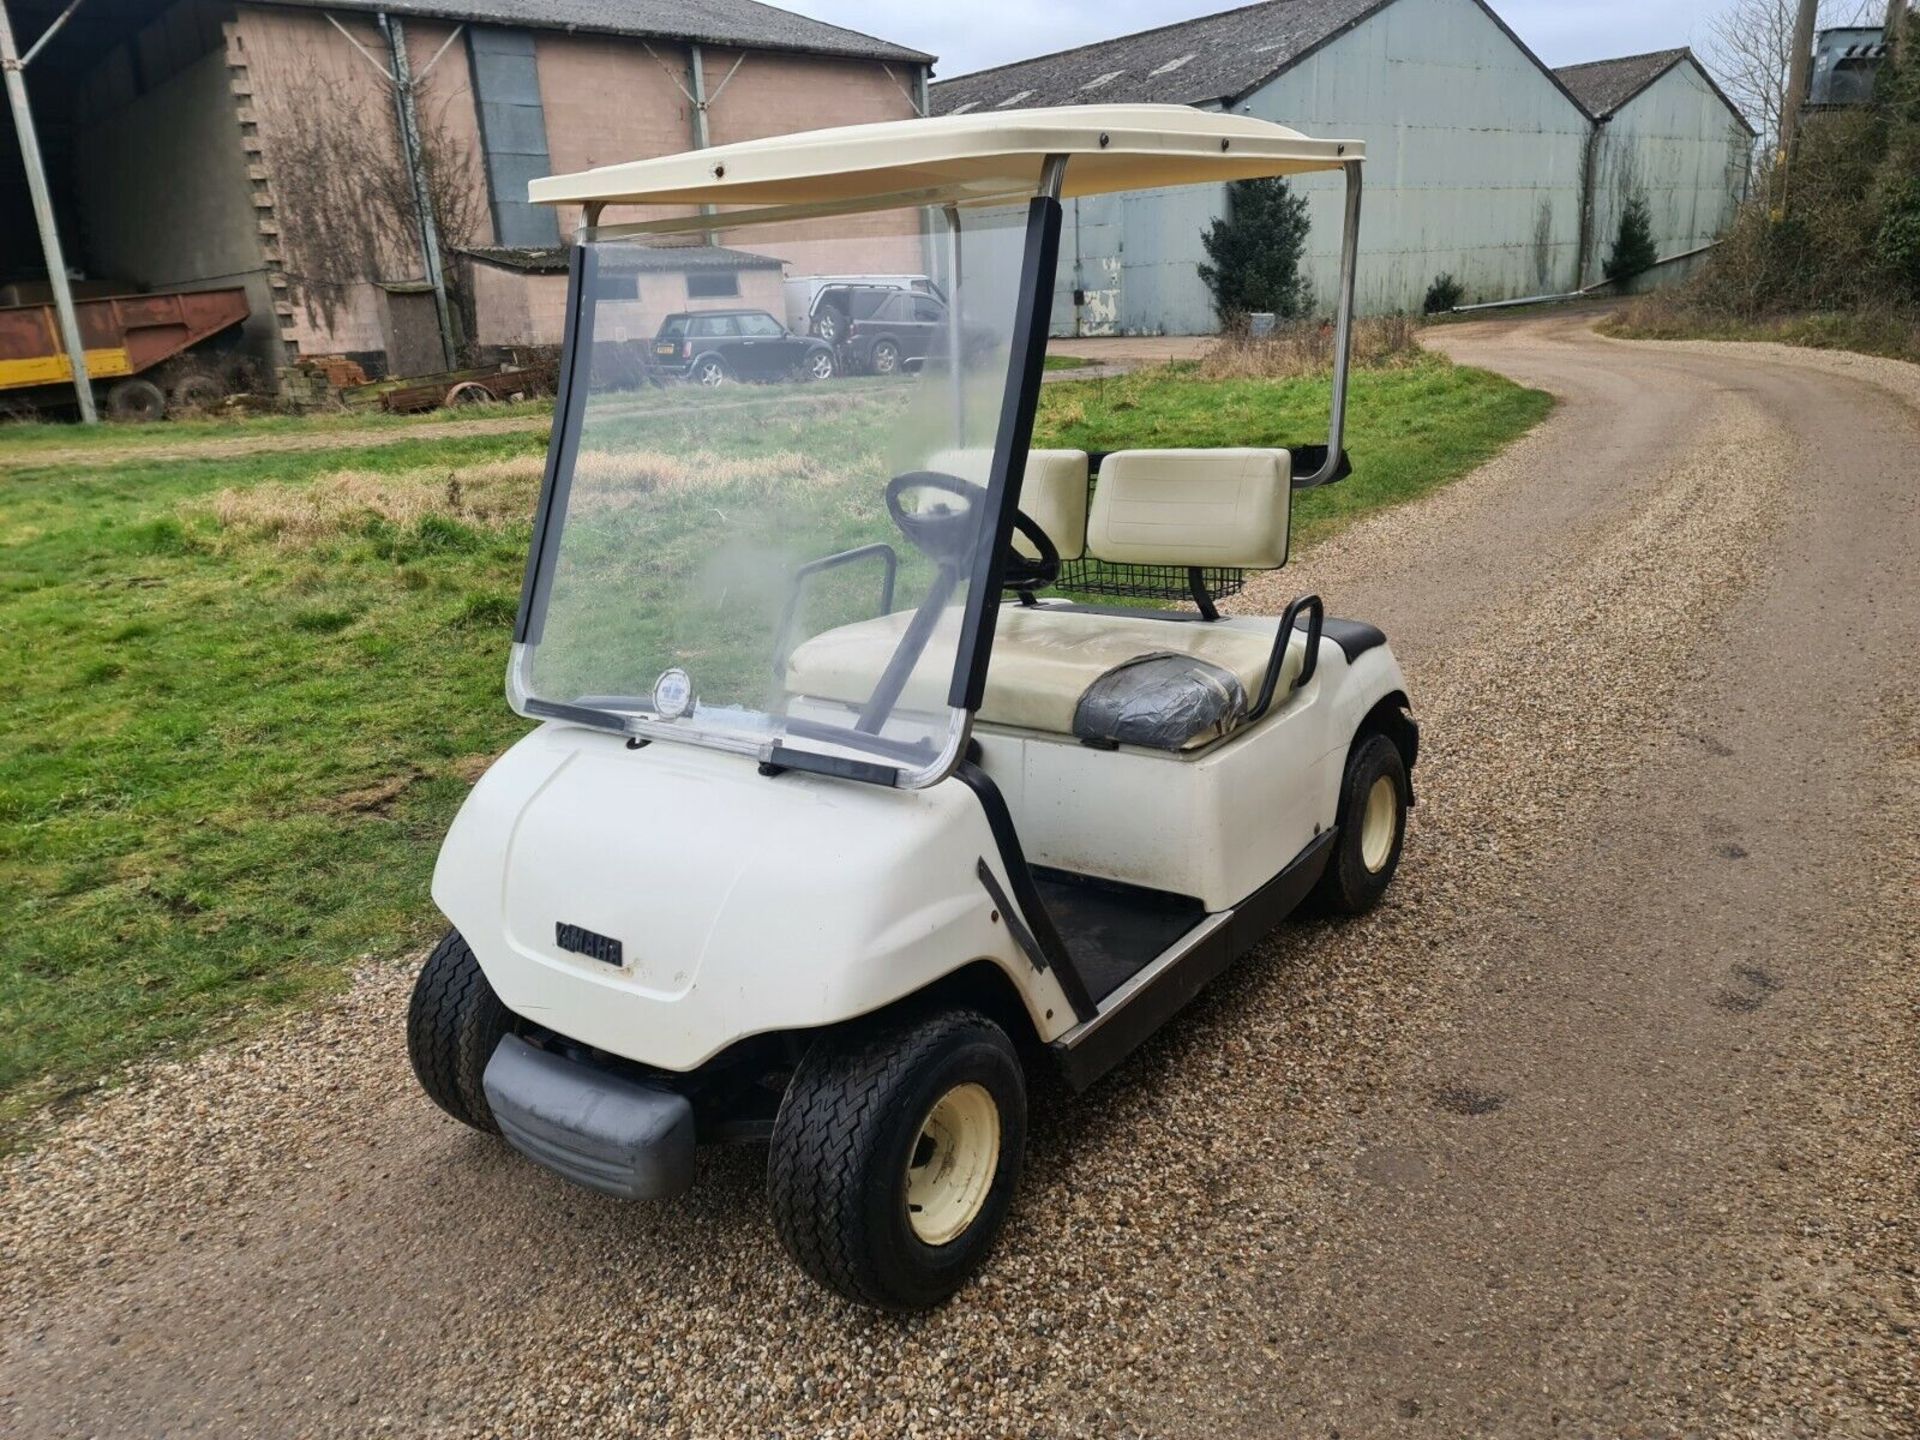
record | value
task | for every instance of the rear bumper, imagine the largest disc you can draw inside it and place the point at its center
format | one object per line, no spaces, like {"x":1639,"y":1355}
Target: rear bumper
{"x":590,"y":1126}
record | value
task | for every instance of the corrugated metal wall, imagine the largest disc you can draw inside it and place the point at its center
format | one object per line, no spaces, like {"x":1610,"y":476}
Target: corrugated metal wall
{"x":1475,"y":162}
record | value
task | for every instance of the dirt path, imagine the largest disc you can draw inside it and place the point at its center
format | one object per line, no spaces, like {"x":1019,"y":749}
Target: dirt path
{"x":1605,"y":1124}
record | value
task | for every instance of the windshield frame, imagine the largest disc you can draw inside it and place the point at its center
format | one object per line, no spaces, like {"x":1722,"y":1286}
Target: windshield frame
{"x":820,"y":748}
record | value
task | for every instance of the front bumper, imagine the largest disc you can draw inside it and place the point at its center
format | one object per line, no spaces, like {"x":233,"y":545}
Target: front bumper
{"x":590,"y":1126}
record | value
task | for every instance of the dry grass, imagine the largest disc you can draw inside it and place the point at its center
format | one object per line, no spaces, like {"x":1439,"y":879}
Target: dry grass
{"x":493,"y":495}
{"x":1888,"y":330}
{"x":1379,"y":342}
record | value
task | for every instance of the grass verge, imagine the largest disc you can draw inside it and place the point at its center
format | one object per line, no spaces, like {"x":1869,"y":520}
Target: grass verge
{"x":246,"y":693}
{"x":1889,"y":332}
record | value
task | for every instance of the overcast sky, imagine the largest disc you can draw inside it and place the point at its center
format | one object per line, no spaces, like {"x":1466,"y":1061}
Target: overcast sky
{"x":971,"y":34}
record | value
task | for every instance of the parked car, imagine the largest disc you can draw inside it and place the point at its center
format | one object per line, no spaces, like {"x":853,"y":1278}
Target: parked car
{"x":823,"y":304}
{"x":712,"y":347}
{"x":900,"y":329}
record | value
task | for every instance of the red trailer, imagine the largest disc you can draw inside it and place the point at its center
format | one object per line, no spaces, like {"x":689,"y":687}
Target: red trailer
{"x":128,"y":340}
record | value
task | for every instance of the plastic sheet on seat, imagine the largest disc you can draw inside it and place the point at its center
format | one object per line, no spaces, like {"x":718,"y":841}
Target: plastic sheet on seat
{"x":1162,"y":701}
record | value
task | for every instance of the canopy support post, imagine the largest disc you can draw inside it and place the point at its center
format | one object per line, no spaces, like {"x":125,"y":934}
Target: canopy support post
{"x":955,"y":381}
{"x":1342,"y":333}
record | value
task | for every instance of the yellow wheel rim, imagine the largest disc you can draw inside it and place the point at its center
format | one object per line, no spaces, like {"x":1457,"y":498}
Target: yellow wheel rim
{"x":1379,"y":823}
{"x":953,"y":1163}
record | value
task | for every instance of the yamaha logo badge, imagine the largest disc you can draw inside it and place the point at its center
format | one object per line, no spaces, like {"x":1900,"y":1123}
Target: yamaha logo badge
{"x":582,"y":941}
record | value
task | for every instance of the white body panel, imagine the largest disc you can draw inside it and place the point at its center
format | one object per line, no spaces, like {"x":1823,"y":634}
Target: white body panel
{"x":746,"y":904}
{"x":1217,"y":823}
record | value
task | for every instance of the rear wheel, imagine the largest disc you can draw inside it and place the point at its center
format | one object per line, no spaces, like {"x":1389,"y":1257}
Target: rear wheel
{"x":136,"y":401}
{"x":1372,"y":829}
{"x":885,"y":358}
{"x":895,"y":1155}
{"x":197,"y":389}
{"x":454,"y":1021}
{"x":710,"y":370}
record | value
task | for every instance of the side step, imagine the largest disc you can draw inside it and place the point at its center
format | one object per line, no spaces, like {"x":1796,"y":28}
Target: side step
{"x":1133,"y":1012}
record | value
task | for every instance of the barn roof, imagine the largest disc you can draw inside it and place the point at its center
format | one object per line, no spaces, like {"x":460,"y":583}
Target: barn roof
{"x":711,"y":22}
{"x":1604,"y":86}
{"x":1215,"y":59}
{"x":670,"y":259}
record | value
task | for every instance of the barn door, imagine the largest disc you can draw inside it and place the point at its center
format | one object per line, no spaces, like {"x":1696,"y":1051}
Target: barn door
{"x":413,"y":334}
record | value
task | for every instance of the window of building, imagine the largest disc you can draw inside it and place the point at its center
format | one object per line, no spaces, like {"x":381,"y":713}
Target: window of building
{"x":712,"y":284}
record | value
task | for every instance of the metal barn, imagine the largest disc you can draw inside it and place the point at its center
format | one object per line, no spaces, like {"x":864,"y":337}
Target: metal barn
{"x":1665,"y":133}
{"x":1482,"y":163}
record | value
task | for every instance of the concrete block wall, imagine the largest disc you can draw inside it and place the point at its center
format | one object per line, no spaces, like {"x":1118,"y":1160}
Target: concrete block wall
{"x":164,"y":194}
{"x":328,"y":135}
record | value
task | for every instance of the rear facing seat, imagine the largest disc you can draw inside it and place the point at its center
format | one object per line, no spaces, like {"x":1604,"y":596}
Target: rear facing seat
{"x":1105,"y":677}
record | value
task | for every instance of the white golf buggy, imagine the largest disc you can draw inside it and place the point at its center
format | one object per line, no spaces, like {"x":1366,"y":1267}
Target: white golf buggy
{"x":864,"y":782}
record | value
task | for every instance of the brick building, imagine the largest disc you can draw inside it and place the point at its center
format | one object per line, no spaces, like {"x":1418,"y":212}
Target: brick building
{"x":196,"y":144}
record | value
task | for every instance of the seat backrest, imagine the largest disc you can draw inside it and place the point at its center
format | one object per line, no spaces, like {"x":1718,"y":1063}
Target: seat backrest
{"x":1053,"y":493}
{"x":1192,"y":507}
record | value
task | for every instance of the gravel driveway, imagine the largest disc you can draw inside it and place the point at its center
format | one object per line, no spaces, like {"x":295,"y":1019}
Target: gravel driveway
{"x":1604,"y":1125}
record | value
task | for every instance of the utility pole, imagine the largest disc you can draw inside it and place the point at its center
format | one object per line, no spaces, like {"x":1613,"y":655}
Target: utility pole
{"x":391,"y":27}
{"x":1799,"y":63}
{"x":16,"y":80}
{"x":1895,"y":33}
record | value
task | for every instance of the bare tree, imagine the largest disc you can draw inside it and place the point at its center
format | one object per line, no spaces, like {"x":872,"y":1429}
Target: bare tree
{"x":1749,"y":48}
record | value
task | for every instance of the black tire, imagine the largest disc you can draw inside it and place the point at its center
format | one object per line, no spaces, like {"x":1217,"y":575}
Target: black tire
{"x":197,"y":389}
{"x":1362,"y":865}
{"x":453,"y":1024}
{"x":135,"y":401}
{"x":829,"y":324}
{"x":850,"y":1125}
{"x":818,"y":365}
{"x":884,"y":358}
{"x":709,"y":370}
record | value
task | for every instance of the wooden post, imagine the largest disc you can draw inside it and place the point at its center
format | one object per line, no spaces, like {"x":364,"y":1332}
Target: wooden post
{"x":1799,"y":67}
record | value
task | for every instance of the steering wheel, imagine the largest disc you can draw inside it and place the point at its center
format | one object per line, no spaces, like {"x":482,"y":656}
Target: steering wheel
{"x":944,"y":532}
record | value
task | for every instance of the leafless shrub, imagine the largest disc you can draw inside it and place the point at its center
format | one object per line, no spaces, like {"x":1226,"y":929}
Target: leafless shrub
{"x":343,"y":196}
{"x":1379,"y":342}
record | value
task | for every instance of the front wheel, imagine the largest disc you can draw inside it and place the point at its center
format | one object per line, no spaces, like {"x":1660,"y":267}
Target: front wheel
{"x":1372,"y":829}
{"x":895,"y":1155}
{"x":454,"y":1021}
{"x":818,"y":365}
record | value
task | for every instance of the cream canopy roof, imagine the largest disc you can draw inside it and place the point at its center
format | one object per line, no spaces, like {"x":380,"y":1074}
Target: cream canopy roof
{"x":963,"y":159}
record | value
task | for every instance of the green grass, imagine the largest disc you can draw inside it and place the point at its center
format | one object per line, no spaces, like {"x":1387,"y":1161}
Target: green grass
{"x":1408,"y":428}
{"x":1066,"y":362}
{"x":232,"y":747}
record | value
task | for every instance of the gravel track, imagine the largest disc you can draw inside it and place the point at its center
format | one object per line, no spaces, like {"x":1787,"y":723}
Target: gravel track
{"x":1605,"y":1122}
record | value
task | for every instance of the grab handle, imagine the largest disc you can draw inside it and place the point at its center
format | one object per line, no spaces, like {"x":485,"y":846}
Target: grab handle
{"x":1289,"y":622}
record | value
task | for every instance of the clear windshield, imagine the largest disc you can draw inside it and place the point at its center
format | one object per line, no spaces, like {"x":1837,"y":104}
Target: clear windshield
{"x":740,"y":559}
